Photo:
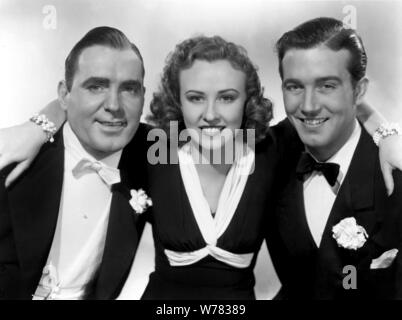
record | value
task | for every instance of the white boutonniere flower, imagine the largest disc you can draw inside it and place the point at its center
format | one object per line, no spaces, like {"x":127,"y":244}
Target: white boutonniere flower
{"x":348,"y":234}
{"x":140,"y":201}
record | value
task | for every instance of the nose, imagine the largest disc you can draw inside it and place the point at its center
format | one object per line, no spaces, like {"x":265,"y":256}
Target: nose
{"x":210,"y":114}
{"x":112,"y":103}
{"x":309,"y":105}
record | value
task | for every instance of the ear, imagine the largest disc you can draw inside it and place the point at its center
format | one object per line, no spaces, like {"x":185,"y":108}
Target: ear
{"x":63,"y":94}
{"x":360,"y":90}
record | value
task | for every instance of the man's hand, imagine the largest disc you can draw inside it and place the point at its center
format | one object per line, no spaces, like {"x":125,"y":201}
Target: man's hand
{"x":20,"y":144}
{"x":390,"y":159}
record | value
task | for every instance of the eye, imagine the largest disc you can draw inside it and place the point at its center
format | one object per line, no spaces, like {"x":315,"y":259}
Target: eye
{"x":327,"y":86}
{"x":227,"y":98}
{"x":195,"y":98}
{"x":96,"y":88}
{"x":133,"y":90}
{"x":294,"y":88}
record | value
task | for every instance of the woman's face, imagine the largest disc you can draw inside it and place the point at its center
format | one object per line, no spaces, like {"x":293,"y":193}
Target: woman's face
{"x":212,"y":97}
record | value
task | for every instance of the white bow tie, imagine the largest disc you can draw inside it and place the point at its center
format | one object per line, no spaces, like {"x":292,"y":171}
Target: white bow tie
{"x":108,"y":174}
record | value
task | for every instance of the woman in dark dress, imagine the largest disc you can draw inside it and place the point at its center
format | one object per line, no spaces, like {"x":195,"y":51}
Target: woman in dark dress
{"x":208,"y":217}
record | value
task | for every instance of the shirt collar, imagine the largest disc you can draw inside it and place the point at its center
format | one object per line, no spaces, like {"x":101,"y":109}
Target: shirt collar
{"x":74,"y":148}
{"x":345,"y":154}
{"x":343,"y":157}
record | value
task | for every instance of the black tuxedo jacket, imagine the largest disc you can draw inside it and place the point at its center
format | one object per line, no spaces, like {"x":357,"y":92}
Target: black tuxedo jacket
{"x":310,"y":272}
{"x":29,"y":212}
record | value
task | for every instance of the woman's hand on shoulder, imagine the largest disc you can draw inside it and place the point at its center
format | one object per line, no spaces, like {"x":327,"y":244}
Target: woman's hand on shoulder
{"x":390,"y":149}
{"x":20,"y":144}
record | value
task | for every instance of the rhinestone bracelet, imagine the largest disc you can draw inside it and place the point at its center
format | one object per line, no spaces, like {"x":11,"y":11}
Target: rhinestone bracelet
{"x":47,"y":126}
{"x":386,"y":130}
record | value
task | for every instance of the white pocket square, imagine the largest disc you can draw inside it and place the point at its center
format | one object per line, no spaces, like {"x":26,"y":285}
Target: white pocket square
{"x":384,"y":260}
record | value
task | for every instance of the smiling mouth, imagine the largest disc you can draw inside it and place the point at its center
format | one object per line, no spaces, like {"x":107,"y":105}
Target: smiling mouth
{"x":313,"y":122}
{"x":113,"y":123}
{"x":211,"y":130}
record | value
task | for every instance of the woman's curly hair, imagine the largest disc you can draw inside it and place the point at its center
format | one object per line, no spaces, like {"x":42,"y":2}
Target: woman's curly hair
{"x":165,"y":105}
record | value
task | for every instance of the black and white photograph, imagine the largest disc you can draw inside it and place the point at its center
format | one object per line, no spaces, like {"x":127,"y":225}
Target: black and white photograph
{"x":222,"y":151}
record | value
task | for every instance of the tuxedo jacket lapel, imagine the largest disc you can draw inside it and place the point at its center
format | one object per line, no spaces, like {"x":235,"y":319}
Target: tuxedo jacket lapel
{"x":34,"y":202}
{"x":331,"y":258}
{"x":362,"y":174}
{"x":292,"y":219}
{"x":356,"y":195}
{"x":121,"y":242}
{"x":125,"y":226}
{"x":355,"y":199}
{"x":296,"y":235}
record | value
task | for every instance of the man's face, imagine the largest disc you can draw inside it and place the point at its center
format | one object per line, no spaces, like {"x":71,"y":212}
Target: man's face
{"x":105,"y":102}
{"x":319,"y":98}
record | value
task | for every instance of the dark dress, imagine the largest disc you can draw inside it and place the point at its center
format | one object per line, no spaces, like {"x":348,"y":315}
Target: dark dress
{"x":175,"y":228}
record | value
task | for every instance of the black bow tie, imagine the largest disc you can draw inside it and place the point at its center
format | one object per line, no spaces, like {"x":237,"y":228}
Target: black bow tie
{"x":307,"y":165}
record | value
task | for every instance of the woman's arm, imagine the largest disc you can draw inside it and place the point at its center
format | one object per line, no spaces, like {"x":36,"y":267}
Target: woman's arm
{"x":390,"y":148}
{"x":369,"y":117}
{"x":22,"y":143}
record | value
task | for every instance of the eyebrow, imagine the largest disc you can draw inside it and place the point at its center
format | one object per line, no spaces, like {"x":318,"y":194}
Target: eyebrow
{"x":227,"y":90}
{"x":318,"y":80}
{"x":291,"y":80}
{"x":133,"y":83}
{"x":106,"y":81}
{"x":219,"y":92}
{"x":97,"y":80}
{"x":329,"y":78}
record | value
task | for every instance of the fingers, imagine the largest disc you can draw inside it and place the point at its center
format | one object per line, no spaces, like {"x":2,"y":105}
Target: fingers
{"x":388,"y":179}
{"x":16,"y":172}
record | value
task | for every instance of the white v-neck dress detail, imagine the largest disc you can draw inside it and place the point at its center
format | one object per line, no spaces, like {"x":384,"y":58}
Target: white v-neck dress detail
{"x":213,"y":227}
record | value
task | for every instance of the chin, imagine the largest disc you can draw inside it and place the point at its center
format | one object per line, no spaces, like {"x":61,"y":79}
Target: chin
{"x":311,"y":142}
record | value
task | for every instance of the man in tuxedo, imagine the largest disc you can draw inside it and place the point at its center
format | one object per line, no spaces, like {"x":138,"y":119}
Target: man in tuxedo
{"x":335,"y":180}
{"x":67,"y":230}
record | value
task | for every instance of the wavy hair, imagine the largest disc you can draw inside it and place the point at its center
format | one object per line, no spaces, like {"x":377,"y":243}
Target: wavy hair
{"x":165,"y":105}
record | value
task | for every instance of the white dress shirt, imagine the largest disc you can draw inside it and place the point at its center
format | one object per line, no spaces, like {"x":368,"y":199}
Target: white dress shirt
{"x":79,"y":239}
{"x":319,"y":196}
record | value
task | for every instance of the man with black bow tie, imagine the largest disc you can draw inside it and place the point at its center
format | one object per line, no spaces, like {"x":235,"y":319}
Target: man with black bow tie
{"x":67,"y":230}
{"x":338,"y":231}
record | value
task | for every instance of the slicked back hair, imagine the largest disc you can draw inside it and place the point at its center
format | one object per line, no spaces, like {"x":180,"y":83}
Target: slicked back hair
{"x":331,"y":33}
{"x":103,"y":36}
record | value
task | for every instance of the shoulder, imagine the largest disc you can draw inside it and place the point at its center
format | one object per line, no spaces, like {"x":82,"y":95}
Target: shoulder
{"x":141,"y":134}
{"x":47,"y":166}
{"x":138,"y":143}
{"x":284,"y":131}
{"x":287,"y":142}
{"x":5,"y":172}
{"x":144,"y":128}
{"x":370,"y":154}
{"x":397,"y":193}
{"x":49,"y":153}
